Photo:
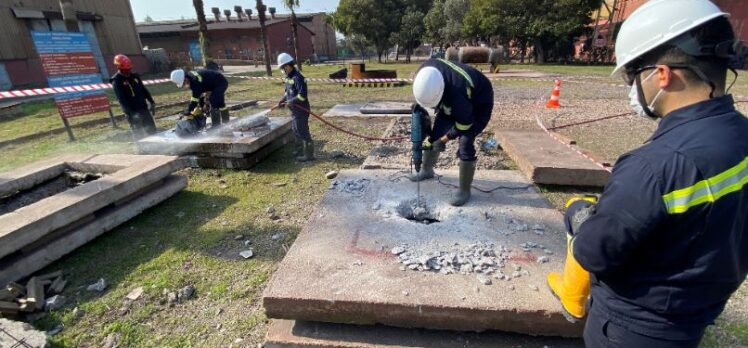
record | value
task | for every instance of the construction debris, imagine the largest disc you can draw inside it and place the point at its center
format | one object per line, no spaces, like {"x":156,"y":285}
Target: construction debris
{"x":40,"y":293}
{"x":482,"y":258}
{"x":99,"y":286}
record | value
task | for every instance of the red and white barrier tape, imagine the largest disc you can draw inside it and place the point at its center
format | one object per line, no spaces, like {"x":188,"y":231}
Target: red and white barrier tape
{"x":66,"y":89}
{"x":543,"y":127}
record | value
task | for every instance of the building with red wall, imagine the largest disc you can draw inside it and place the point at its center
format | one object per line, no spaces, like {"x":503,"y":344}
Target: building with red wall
{"x":233,"y":40}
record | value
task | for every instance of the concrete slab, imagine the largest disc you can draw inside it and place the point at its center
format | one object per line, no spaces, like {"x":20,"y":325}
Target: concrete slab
{"x":341,"y":268}
{"x":32,"y":222}
{"x":301,"y":334}
{"x":41,"y":231}
{"x":386,"y":107}
{"x":20,"y":334}
{"x":236,"y":150}
{"x":36,"y":257}
{"x":545,"y":161}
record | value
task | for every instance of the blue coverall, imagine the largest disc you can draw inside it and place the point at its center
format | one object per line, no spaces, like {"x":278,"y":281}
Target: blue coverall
{"x":465,"y":107}
{"x":668,"y":242}
{"x":296,"y":94}
{"x":206,"y":80}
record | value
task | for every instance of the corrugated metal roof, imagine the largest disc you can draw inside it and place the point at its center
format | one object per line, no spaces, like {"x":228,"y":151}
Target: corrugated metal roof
{"x":191,"y":25}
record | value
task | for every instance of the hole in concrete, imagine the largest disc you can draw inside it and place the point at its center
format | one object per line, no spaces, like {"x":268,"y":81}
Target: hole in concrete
{"x":61,"y":183}
{"x":420,"y":212}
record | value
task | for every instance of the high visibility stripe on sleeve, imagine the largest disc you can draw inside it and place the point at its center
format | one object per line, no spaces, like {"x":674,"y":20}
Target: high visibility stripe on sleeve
{"x":463,"y":127}
{"x":708,"y":190}
{"x":197,"y":76}
{"x":300,"y":97}
{"x":195,"y":99}
{"x":459,"y":70}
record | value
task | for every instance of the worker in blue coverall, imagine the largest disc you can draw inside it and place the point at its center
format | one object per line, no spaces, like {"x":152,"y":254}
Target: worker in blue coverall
{"x":296,"y":99}
{"x":463,"y":99}
{"x":666,"y":245}
{"x":200,"y":82}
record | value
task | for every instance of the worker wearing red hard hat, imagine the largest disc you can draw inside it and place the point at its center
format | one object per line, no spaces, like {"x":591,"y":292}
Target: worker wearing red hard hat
{"x":134,"y":98}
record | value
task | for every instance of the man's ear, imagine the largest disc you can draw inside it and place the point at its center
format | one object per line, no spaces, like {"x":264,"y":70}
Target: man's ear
{"x":664,"y":76}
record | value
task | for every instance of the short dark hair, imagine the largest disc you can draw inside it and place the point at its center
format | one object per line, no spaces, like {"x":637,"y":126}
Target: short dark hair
{"x":714,"y":32}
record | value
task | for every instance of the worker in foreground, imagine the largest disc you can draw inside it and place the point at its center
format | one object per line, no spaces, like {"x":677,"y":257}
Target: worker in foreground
{"x":199,"y":82}
{"x":134,"y":98}
{"x":463,"y":99}
{"x":667,"y":243}
{"x":295,"y":98}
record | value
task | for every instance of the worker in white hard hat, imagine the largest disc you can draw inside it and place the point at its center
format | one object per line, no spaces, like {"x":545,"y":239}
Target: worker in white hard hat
{"x":463,"y":99}
{"x":296,"y":99}
{"x":200,"y":82}
{"x":666,"y":245}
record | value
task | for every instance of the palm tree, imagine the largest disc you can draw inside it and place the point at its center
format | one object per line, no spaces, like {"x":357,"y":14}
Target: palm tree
{"x":291,"y":4}
{"x":203,"y":27}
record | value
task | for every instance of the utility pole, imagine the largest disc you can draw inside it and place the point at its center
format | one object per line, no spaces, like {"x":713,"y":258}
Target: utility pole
{"x":263,"y":34}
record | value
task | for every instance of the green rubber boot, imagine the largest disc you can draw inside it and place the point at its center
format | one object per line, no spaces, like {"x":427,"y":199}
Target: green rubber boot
{"x":308,"y":154}
{"x":467,"y":172}
{"x":298,"y":147}
{"x":430,"y":158}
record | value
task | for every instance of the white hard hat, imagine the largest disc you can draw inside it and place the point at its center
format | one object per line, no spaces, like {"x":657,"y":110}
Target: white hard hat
{"x":283,"y":59}
{"x":177,"y":76}
{"x":428,"y":87}
{"x":657,"y":22}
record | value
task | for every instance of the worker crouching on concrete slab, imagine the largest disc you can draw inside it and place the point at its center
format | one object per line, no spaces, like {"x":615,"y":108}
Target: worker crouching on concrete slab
{"x":667,"y":243}
{"x":296,"y":99}
{"x":463,"y":99}
{"x":199,"y":82}
{"x":134,"y":98}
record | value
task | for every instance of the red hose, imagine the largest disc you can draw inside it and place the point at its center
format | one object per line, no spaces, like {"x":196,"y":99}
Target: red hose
{"x":365,"y":137}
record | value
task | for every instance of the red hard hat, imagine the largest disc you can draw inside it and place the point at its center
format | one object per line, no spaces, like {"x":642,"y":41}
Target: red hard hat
{"x":122,"y":62}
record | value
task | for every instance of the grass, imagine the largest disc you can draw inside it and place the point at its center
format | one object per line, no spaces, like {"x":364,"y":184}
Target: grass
{"x":189,"y":239}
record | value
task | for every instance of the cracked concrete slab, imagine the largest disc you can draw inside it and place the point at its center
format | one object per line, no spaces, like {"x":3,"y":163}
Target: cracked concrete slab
{"x":341,"y":268}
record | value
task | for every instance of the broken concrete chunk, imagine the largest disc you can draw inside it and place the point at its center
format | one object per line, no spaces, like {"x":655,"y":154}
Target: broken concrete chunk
{"x":186,"y":293}
{"x":247,"y":254}
{"x":484,"y":279}
{"x":331,"y":174}
{"x":543,"y":259}
{"x":398,"y":250}
{"x":99,"y":286}
{"x":55,"y":302}
{"x":135,"y":294}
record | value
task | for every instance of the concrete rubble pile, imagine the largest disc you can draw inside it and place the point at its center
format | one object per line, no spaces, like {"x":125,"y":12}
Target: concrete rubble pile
{"x":39,"y":294}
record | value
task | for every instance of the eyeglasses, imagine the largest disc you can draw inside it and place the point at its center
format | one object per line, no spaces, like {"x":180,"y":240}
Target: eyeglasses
{"x":629,"y":74}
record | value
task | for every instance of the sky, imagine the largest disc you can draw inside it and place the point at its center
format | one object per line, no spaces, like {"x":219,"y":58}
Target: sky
{"x":176,"y":9}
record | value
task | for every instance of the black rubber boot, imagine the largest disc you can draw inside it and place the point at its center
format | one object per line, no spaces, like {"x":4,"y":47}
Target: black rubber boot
{"x":215,"y":118}
{"x":225,"y":116}
{"x":298,"y":147}
{"x":430,"y":158}
{"x":308,"y":154}
{"x":467,"y":172}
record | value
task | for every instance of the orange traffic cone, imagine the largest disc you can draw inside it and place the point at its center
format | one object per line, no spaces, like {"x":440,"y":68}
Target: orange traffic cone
{"x":553,"y":102}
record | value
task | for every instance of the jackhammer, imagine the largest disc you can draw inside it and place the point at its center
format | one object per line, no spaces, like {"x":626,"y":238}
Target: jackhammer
{"x":420,"y":127}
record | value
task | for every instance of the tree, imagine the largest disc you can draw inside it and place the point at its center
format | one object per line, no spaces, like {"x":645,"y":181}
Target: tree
{"x":434,"y":23}
{"x":444,"y":21}
{"x":291,"y":4}
{"x":148,"y":19}
{"x":548,"y":25}
{"x":203,"y":29}
{"x":411,"y":31}
{"x":374,"y":20}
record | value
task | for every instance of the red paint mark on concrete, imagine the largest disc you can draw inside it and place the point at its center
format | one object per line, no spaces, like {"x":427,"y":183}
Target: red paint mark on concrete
{"x":525,"y":257}
{"x":353,"y":248}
